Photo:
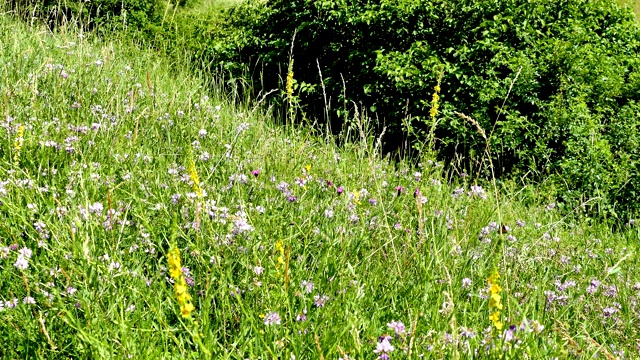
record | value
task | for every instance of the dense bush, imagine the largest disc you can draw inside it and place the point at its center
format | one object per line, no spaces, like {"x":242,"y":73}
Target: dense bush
{"x":105,"y":15}
{"x":570,"y":68}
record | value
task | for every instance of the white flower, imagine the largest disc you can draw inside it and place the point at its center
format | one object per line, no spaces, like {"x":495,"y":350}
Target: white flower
{"x":21,"y":263}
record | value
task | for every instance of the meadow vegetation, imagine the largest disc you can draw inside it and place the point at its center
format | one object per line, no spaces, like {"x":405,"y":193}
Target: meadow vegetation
{"x":151,"y":210}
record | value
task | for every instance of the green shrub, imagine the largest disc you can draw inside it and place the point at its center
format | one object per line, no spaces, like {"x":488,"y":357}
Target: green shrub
{"x":569,"y":68}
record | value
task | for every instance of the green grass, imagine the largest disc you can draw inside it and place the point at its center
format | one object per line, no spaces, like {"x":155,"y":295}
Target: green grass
{"x":98,"y":188}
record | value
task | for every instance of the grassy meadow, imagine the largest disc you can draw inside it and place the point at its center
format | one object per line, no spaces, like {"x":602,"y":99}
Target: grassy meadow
{"x":147,"y":213}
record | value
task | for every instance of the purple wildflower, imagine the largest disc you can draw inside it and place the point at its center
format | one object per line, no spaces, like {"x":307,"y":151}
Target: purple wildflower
{"x":593,"y":286}
{"x":383,"y":348}
{"x":320,"y":300}
{"x":272,"y":318}
{"x":307,"y":286}
{"x":397,"y":326}
{"x":258,"y":270}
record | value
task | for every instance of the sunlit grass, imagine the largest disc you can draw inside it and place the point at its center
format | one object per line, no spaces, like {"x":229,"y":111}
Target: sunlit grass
{"x":289,"y":245}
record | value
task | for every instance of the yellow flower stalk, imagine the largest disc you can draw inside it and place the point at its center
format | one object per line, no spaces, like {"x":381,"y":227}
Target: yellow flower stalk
{"x":290,"y":81}
{"x":495,"y":300}
{"x":280,"y":259}
{"x":180,"y":286}
{"x":435,"y":102}
{"x":195,"y":179}
{"x":17,"y":143}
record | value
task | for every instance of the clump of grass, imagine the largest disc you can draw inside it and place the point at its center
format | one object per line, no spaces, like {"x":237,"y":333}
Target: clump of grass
{"x":288,"y":244}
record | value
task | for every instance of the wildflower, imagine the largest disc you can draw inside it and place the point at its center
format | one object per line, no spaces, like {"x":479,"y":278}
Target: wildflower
{"x":495,"y":300}
{"x":495,"y":319}
{"x":467,"y":332}
{"x":593,"y":286}
{"x":17,"y":143}
{"x":466,"y":283}
{"x":114,"y":266}
{"x":457,"y":192}
{"x":607,"y":312}
{"x":397,"y":326}
{"x":29,"y":300}
{"x":289,"y":85}
{"x":398,"y":189}
{"x":283,"y":187}
{"x":179,"y":286}
{"x":307,"y":286}
{"x":478,"y":191}
{"x":241,"y":226}
{"x":255,"y":172}
{"x":242,"y":127}
{"x":195,"y":179}
{"x":280,"y":250}
{"x":435,"y":102}
{"x":258,"y":270}
{"x":11,"y":304}
{"x":320,"y":300}
{"x":328,"y":213}
{"x":302,"y":316}
{"x":383,"y":348}
{"x":25,"y":252}
{"x":272,"y":318}
{"x":21,"y":263}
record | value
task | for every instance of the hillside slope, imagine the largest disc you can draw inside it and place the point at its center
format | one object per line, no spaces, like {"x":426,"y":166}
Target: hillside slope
{"x":142,"y":217}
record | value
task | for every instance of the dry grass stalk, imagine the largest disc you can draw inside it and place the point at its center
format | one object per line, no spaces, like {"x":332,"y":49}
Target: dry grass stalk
{"x":473,"y":122}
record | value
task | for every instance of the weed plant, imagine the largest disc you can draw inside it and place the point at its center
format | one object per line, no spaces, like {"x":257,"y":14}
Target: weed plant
{"x":143,"y":217}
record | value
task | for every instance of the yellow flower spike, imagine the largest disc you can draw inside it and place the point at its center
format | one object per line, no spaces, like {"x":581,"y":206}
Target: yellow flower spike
{"x":17,"y":143}
{"x":180,"y":285}
{"x":308,"y":168}
{"x":495,"y":288}
{"x":180,"y":289}
{"x":495,"y":316}
{"x":289,"y":84}
{"x":186,"y":310}
{"x":495,"y":276}
{"x":175,"y":272}
{"x":495,"y":301}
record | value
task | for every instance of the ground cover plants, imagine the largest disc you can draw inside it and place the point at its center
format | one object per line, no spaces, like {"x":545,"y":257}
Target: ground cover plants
{"x":147,"y":215}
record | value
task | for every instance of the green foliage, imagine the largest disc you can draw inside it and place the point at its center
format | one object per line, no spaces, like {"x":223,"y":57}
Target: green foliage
{"x":554,"y":84}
